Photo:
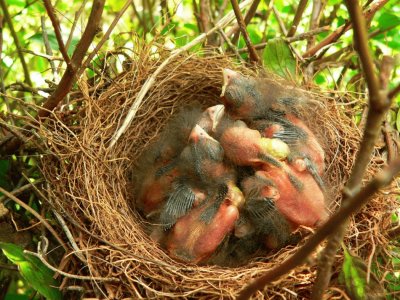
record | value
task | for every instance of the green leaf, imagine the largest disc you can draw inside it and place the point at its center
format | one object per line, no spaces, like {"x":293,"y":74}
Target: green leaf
{"x":354,"y":276}
{"x":388,"y":20}
{"x":279,"y":59}
{"x":38,"y":38}
{"x":398,"y":120}
{"x":33,"y":271}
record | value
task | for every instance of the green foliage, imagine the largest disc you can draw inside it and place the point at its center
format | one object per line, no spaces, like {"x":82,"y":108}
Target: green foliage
{"x":354,"y":277}
{"x":33,"y":271}
{"x":279,"y":58}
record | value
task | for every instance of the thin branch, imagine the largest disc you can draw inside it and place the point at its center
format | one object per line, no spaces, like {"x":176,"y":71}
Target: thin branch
{"x":282,"y":26}
{"x":49,"y":52}
{"x":2,"y":87}
{"x":16,"y":41}
{"x":230,"y":45}
{"x":394,"y":92}
{"x":151,"y":80}
{"x":247,"y":18}
{"x":334,"y":36}
{"x":378,"y":106}
{"x":317,"y":9}
{"x":23,"y":188}
{"x":69,"y":76}
{"x":242,"y":26}
{"x":297,"y":17}
{"x":8,"y":267}
{"x":36,"y":214}
{"x":299,"y":37}
{"x":73,"y":276}
{"x":354,"y":204}
{"x":68,"y":233}
{"x":57,"y":29}
{"x":65,"y":85}
{"x":45,"y":56}
{"x":76,"y":18}
{"x":105,"y":37}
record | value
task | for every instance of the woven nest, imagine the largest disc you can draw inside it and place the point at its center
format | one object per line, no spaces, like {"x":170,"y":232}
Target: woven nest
{"x":89,"y":183}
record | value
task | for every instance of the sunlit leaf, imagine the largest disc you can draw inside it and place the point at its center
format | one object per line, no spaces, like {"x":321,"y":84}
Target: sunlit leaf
{"x":33,"y":271}
{"x":388,"y":20}
{"x":354,"y":276}
{"x":279,"y":59}
{"x":398,"y":120}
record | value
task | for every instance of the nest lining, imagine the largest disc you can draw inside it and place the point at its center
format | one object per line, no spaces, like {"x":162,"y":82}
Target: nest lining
{"x":89,"y":183}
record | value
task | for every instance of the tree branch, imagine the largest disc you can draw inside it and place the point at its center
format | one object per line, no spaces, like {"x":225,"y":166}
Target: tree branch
{"x":378,"y":106}
{"x":353,"y":204}
{"x":242,"y":26}
{"x":57,"y":30}
{"x":150,"y":80}
{"x":69,"y":76}
{"x":105,"y":37}
{"x":36,"y":214}
{"x":297,"y":17}
{"x":247,"y":18}
{"x":334,"y":36}
{"x":16,"y":41}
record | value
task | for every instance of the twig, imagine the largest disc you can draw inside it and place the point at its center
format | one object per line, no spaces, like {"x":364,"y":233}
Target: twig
{"x":393,"y":93}
{"x":230,"y":45}
{"x":76,"y":18}
{"x":297,"y":17}
{"x":48,"y":57}
{"x":70,"y":237}
{"x":16,"y":41}
{"x":282,"y":26}
{"x":353,"y":204}
{"x":247,"y":18}
{"x":57,"y":30}
{"x":315,"y":18}
{"x":69,"y":77}
{"x":62,"y":223}
{"x":49,"y":52}
{"x":37,"y":215}
{"x":2,"y":87}
{"x":242,"y":26}
{"x":105,"y":37}
{"x":334,"y":36}
{"x":22,"y":189}
{"x":9,"y":267}
{"x":299,"y":37}
{"x":42,"y":259}
{"x":378,"y":106}
{"x":151,"y":79}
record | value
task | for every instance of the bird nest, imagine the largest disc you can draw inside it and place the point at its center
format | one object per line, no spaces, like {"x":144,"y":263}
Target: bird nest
{"x":88,"y":182}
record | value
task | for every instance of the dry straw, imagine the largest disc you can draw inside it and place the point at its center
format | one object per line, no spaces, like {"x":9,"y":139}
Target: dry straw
{"x":89,"y":184}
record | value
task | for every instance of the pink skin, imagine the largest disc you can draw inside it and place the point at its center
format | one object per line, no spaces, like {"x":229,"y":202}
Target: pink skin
{"x":311,"y":147}
{"x":305,"y":207}
{"x":241,"y":145}
{"x":154,"y":191}
{"x":192,"y":240}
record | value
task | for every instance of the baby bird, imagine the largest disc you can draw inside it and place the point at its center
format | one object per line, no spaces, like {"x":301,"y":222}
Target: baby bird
{"x":248,"y":98}
{"x":193,"y":240}
{"x":260,"y":216}
{"x":201,"y":165}
{"x":246,"y":147}
{"x":158,"y":168}
{"x":306,"y":152}
{"x":305,"y":206}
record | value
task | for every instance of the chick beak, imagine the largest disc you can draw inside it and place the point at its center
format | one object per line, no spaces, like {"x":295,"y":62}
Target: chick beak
{"x":227,"y":76}
{"x":216,"y":114}
{"x":195,"y":134}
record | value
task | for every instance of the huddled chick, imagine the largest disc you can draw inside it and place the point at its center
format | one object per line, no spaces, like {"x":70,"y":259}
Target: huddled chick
{"x":223,"y":184}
